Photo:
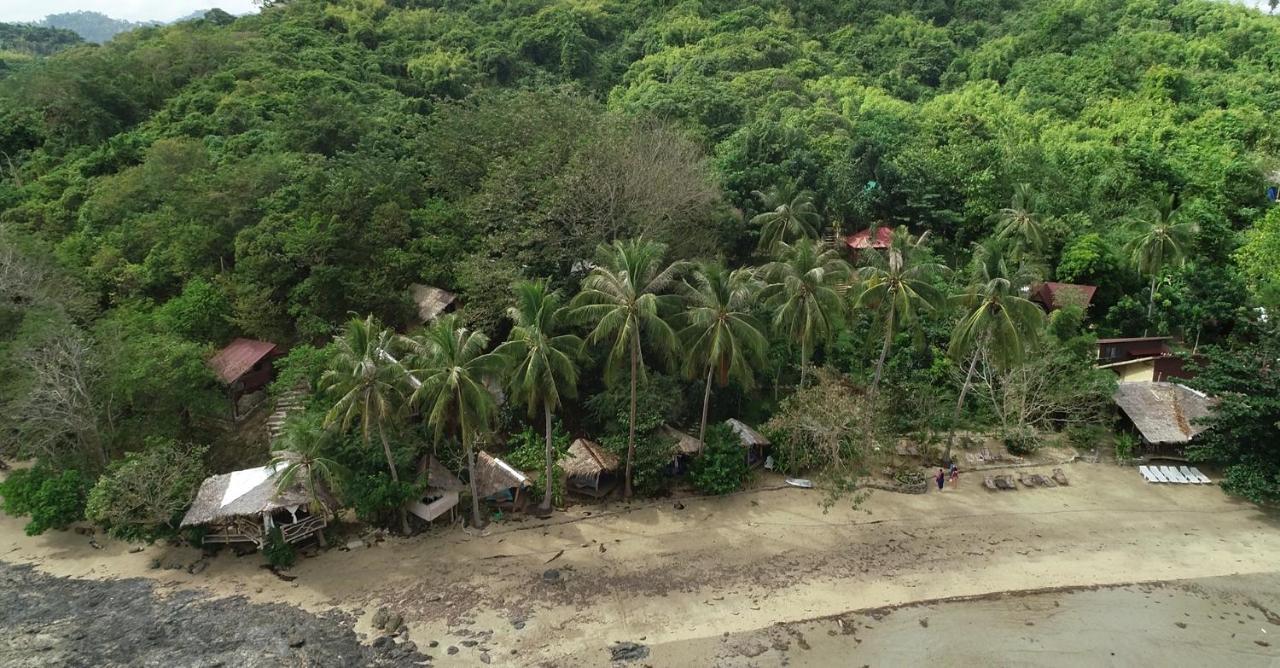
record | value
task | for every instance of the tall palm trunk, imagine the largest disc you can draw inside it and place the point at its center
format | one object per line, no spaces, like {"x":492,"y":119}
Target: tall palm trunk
{"x":804,"y":361}
{"x":631,"y":436}
{"x":395,"y":476}
{"x":471,"y":472}
{"x":964,"y":390}
{"x":884,"y":354}
{"x":706,"y":403}
{"x":547,"y":482}
{"x":1151,"y":302}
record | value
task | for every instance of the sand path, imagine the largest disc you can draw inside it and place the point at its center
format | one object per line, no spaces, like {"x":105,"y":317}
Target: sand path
{"x":730,"y":565}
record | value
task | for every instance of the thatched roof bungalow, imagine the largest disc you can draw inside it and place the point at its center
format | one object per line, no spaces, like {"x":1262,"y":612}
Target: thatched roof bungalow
{"x":754,"y":442}
{"x":499,"y":481}
{"x":244,"y":506}
{"x":431,"y":301}
{"x":1164,"y":414}
{"x":441,"y":494}
{"x":587,"y":465}
{"x":685,"y":445}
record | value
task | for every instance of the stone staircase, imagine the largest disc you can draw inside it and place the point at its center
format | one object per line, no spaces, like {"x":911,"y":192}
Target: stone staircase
{"x":287,"y":404}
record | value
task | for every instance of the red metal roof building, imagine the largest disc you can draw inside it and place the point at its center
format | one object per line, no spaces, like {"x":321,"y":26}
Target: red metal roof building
{"x":862,"y":240}
{"x":241,"y":357}
{"x":1053,"y":296}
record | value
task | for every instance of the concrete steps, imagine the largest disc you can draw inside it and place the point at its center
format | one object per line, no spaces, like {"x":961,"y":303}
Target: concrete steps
{"x":287,"y":404}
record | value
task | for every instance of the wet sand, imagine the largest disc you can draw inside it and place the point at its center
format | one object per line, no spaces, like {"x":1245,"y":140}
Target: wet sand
{"x":677,"y":579}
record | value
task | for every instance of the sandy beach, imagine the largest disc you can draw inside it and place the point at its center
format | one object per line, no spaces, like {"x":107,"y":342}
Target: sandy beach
{"x":1054,"y":576}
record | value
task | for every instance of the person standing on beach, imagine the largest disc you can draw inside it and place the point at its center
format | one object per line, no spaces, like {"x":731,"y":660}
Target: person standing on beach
{"x":941,"y":479}
{"x":955,"y":475}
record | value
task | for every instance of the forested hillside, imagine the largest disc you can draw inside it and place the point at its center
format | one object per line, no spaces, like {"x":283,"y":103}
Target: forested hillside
{"x":269,"y":175}
{"x":93,"y":27}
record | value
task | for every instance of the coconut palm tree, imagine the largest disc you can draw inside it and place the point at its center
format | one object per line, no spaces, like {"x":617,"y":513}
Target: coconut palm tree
{"x":897,"y":288}
{"x":721,"y":338}
{"x":299,"y":456}
{"x":998,"y":319}
{"x":626,"y":299}
{"x":541,"y":362}
{"x":787,"y":216}
{"x":451,"y":367}
{"x":1020,"y":222}
{"x":1160,"y":240}
{"x":367,"y":387}
{"x":803,"y":290}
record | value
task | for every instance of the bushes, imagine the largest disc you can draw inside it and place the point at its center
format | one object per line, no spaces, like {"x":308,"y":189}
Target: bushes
{"x":722,"y":466}
{"x":142,"y":496}
{"x":278,"y":553}
{"x":824,"y":427}
{"x":649,"y":475}
{"x":659,"y":400}
{"x":529,"y":448}
{"x":52,"y":500}
{"x":1021,"y":441}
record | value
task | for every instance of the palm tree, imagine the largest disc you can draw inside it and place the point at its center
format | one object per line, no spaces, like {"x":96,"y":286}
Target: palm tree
{"x":897,"y":289}
{"x":1020,"y":222}
{"x":802,"y":287}
{"x":787,"y":217}
{"x":1160,"y":240}
{"x":299,"y":456}
{"x":998,"y":320}
{"x":541,"y":363}
{"x":451,"y":366}
{"x":626,"y":300}
{"x":721,"y":337}
{"x":368,"y":386}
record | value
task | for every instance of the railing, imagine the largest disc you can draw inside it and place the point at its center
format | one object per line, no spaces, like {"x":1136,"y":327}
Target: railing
{"x":292,"y":533}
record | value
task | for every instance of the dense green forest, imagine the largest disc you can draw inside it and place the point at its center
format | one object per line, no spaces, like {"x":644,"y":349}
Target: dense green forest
{"x":93,"y":27}
{"x":271,"y":175}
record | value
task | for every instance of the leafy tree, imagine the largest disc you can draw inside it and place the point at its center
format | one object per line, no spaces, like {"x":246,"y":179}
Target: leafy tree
{"x":721,"y":467}
{"x":788,"y":215}
{"x":802,"y":289}
{"x":1161,"y":239}
{"x":998,"y":322}
{"x":1021,"y":222}
{"x":1245,"y":421}
{"x":450,"y":363}
{"x":366,"y":385}
{"x":542,"y":367}
{"x":721,"y":336}
{"x":626,"y":301}
{"x":897,"y":289}
{"x":302,"y":454}
{"x":143,"y":495}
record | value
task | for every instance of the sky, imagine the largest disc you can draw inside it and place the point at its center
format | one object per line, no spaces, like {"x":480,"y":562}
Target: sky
{"x":12,"y":11}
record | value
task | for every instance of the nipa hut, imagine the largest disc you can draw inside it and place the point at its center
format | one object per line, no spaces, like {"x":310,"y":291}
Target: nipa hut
{"x":431,"y":301}
{"x":589,"y":468}
{"x":685,"y":448}
{"x":244,"y":506}
{"x":753,"y":441}
{"x":499,"y":482}
{"x":441,"y":494}
{"x":1164,"y":414}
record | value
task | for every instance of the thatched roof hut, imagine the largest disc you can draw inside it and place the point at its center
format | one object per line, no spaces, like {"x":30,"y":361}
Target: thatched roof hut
{"x":1163,"y":413}
{"x":431,"y":301}
{"x":239,"y":506}
{"x":494,"y":476}
{"x":685,"y":445}
{"x":586,"y":462}
{"x":442,"y":492}
{"x":440,"y":478}
{"x":750,"y":438}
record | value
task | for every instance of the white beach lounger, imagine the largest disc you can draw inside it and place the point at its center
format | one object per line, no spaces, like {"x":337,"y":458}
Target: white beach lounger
{"x":1147,"y":474}
{"x":1204,"y":479}
{"x":1186,"y":473}
{"x":1155,"y":471}
{"x":1172,"y":474}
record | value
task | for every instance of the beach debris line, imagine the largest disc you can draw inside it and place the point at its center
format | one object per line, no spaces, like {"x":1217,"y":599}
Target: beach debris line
{"x":628,"y":651}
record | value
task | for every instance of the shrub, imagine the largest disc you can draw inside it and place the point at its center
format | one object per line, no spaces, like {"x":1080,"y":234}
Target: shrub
{"x":722,"y":466}
{"x":557,"y":489}
{"x":278,"y":553}
{"x":1021,"y":441}
{"x":142,"y":496}
{"x":52,"y":500}
{"x":825,"y":427}
{"x":528,"y":448}
{"x":1085,"y":436}
{"x":377,"y":499}
{"x":649,"y":474}
{"x":1126,"y":443}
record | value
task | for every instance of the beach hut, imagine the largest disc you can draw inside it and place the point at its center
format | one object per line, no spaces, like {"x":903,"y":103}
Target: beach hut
{"x":753,"y":441}
{"x":441,"y":494}
{"x":245,"y":367}
{"x":1164,"y":414}
{"x":244,"y":506}
{"x":684,"y":448}
{"x":500,"y":483}
{"x":432,"y":302}
{"x":589,"y":468}
{"x":1053,"y":296}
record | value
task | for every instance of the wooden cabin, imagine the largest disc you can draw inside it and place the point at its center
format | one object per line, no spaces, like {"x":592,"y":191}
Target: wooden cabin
{"x":245,"y":367}
{"x":1165,"y":415}
{"x":499,"y":483}
{"x":752,"y":441}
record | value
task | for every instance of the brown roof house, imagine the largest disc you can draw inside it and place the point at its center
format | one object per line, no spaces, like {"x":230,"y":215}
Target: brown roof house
{"x":244,"y":506}
{"x":1143,"y":359}
{"x":1163,"y":414}
{"x":245,"y":366}
{"x":589,"y":468}
{"x":1053,"y":296}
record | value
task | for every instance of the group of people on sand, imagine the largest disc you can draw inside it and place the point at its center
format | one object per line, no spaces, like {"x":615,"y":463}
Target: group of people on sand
{"x":942,"y":476}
